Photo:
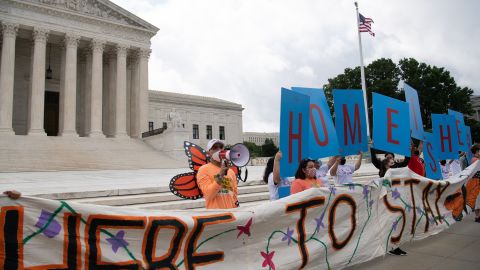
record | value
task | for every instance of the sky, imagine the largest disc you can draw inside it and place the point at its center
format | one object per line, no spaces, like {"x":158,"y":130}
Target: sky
{"x":244,"y":51}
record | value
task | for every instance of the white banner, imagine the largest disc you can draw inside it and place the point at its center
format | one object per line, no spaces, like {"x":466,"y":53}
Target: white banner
{"x":320,"y":228}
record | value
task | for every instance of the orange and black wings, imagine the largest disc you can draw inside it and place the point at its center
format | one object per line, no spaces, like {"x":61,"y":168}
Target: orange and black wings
{"x":185,"y":186}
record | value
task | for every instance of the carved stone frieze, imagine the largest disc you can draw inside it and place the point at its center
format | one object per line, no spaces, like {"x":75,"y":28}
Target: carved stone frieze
{"x":89,"y":7}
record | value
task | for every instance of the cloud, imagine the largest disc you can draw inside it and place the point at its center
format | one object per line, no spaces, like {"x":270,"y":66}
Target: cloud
{"x":246,"y":50}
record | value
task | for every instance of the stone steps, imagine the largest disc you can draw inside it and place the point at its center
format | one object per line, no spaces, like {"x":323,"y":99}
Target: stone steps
{"x":42,"y":153}
{"x":162,"y":196}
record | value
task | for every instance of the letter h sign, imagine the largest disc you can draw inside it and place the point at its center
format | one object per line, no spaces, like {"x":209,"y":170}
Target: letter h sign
{"x":294,"y":130}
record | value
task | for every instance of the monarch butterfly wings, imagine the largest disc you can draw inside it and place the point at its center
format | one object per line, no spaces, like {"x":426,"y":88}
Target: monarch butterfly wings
{"x":185,"y":186}
{"x":197,"y":156}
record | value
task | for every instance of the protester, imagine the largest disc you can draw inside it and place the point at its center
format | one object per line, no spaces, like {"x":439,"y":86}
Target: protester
{"x":217,"y":181}
{"x":415,"y":164}
{"x":455,"y":167}
{"x":13,"y":194}
{"x":343,"y":172}
{"x":305,"y":177}
{"x":463,"y":160}
{"x":476,"y":156}
{"x":271,"y":175}
{"x":379,"y":165}
{"x":445,"y":169}
{"x":322,"y":170}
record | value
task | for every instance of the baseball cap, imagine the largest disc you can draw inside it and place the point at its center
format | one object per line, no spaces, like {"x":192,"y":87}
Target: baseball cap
{"x":212,"y":142}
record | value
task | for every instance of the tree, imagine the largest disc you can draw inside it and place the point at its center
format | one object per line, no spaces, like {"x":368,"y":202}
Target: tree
{"x":255,"y":150}
{"x":437,"y":90}
{"x":268,"y":148}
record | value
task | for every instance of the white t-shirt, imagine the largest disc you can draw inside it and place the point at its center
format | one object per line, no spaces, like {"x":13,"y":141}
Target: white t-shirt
{"x":272,"y":188}
{"x":322,"y":174}
{"x":445,"y":170}
{"x":455,"y":167}
{"x":344,"y":174}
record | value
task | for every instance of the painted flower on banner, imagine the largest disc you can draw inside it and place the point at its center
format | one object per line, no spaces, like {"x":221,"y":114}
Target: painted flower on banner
{"x":118,"y":241}
{"x":245,"y":229}
{"x":394,"y":225}
{"x":365,"y":192}
{"x":431,"y":219}
{"x":268,"y":259}
{"x":332,"y":190}
{"x":419,"y":210}
{"x":288,"y":236}
{"x":319,"y":222}
{"x":395,"y":194}
{"x":408,"y":208}
{"x":370,"y":203}
{"x":52,"y":228}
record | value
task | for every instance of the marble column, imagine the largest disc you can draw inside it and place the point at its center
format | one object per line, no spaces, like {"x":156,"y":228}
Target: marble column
{"x":121,"y":93}
{"x":112,"y":91}
{"x":135,"y":98}
{"x":7,"y":68}
{"x":144,"y":55}
{"x":69,"y":95}
{"x":96,"y":94}
{"x":37,"y":85}
{"x":86,"y":64}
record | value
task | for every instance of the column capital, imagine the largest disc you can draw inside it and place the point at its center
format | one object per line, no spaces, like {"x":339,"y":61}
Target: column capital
{"x":97,"y":45}
{"x":9,"y":29}
{"x":40,"y":34}
{"x":121,"y":50}
{"x":71,"y":40}
{"x":144,"y":53}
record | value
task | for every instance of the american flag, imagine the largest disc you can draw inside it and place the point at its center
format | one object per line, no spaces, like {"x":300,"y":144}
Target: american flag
{"x":365,"y":25}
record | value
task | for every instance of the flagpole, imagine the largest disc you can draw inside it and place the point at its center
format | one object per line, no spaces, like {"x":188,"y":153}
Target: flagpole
{"x":362,"y":71}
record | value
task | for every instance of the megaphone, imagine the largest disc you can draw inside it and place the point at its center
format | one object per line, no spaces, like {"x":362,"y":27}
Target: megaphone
{"x":238,"y":155}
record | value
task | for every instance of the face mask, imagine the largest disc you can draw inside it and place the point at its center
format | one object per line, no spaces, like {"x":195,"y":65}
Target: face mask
{"x":343,"y":161}
{"x":311,"y":172}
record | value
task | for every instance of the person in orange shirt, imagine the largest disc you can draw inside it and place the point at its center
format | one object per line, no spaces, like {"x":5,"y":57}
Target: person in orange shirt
{"x":305,"y":177}
{"x":217,"y":181}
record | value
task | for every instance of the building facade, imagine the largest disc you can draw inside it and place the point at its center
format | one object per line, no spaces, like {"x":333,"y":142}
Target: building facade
{"x":202,"y":117}
{"x":475,"y":100}
{"x":73,"y":68}
{"x":259,"y":138}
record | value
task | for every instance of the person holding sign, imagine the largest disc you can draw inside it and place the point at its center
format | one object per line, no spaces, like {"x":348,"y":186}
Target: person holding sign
{"x":343,"y":172}
{"x":387,"y":163}
{"x":271,"y":176}
{"x":305,"y":177}
{"x":217,"y":181}
{"x":322,"y":170}
{"x":415,"y":165}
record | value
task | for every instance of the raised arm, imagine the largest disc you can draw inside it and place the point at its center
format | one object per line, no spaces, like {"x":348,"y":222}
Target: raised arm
{"x":276,"y":167}
{"x":375,"y":161}
{"x":333,"y":170}
{"x":359,"y":160}
{"x":420,"y":147}
{"x":331,"y":161}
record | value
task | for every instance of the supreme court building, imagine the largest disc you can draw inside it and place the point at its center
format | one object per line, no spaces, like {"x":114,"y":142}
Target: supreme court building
{"x":74,"y":92}
{"x":73,"y":68}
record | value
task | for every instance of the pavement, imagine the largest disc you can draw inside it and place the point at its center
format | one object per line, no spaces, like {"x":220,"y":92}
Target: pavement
{"x":457,"y":248}
{"x":34,"y":183}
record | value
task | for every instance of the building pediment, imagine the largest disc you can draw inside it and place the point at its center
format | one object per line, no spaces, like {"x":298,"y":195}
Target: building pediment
{"x":99,"y":9}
